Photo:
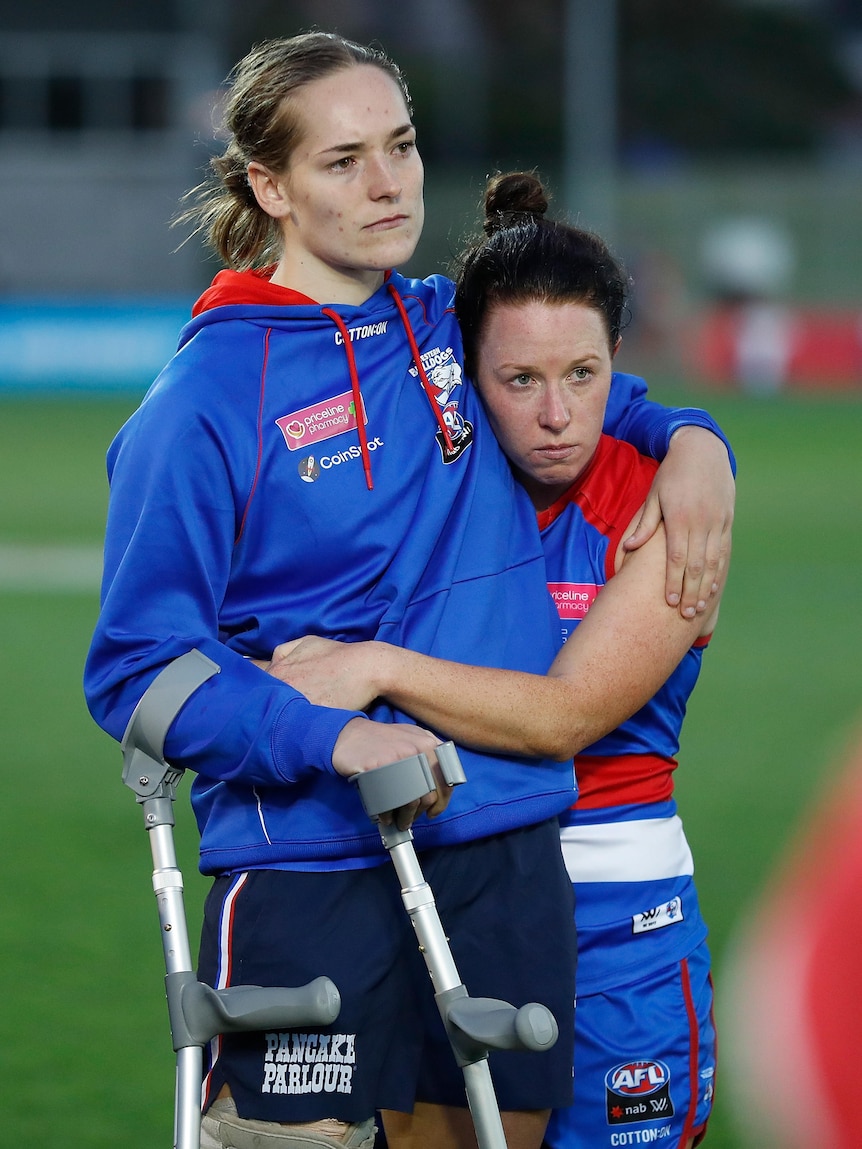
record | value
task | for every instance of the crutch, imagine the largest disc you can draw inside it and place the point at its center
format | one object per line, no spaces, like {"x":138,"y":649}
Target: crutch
{"x":474,"y":1025}
{"x":197,"y":1013}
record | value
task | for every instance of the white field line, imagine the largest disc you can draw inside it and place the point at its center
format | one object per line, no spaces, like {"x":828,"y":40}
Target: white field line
{"x":40,"y":568}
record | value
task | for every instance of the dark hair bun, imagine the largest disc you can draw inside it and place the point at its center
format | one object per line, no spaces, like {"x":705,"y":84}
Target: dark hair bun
{"x":510,"y":196}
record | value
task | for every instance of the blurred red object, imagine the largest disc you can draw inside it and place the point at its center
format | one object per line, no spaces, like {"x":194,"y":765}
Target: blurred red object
{"x":792,"y":988}
{"x":769,"y":346}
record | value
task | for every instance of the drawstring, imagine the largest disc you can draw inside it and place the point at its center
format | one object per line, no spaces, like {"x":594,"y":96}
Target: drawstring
{"x":357,"y":394}
{"x":417,"y":359}
{"x":354,"y":381}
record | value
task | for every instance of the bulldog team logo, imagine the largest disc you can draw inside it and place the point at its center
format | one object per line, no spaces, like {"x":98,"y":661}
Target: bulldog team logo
{"x":446,"y":377}
{"x":638,"y":1091}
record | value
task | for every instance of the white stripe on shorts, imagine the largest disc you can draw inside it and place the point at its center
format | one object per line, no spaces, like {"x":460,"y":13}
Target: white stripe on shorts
{"x":224,"y":971}
{"x":635,"y":851}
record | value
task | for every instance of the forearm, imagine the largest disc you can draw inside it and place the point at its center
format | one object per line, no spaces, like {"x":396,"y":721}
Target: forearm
{"x":487,"y":709}
{"x":614,"y":662}
{"x":557,"y":716}
{"x":617,"y":658}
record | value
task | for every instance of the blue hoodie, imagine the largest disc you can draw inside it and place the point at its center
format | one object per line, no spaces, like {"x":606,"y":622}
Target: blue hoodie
{"x":302,"y":469}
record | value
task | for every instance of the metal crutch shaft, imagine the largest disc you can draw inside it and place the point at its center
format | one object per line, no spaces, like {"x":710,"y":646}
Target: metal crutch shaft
{"x":473,"y":1025}
{"x":197,"y":1012}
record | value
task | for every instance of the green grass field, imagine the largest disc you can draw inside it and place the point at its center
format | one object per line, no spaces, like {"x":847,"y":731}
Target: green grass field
{"x":84,"y":1041}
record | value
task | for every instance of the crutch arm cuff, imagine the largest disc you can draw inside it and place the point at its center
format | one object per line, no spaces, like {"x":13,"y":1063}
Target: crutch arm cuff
{"x":144,"y":765}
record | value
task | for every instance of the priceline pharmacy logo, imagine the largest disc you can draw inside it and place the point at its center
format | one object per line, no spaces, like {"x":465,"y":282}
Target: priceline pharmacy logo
{"x":302,"y":429}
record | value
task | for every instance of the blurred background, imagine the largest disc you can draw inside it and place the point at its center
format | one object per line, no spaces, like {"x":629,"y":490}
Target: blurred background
{"x":718,"y":145}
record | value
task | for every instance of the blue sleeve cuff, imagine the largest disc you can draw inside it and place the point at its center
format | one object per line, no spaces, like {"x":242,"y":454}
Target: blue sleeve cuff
{"x":304,"y":736}
{"x":676,"y":417}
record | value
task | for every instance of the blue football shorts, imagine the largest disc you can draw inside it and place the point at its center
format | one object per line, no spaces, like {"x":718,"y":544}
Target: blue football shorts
{"x":645,"y":1062}
{"x":500,"y":899}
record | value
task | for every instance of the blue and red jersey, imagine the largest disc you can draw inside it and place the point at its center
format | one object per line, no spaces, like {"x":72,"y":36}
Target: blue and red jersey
{"x":623,"y":841}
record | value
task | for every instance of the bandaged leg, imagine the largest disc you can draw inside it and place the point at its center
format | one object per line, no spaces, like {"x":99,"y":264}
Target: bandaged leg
{"x":222,"y":1128}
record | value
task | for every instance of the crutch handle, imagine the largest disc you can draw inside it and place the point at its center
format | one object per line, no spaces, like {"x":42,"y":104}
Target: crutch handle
{"x":395,"y":785}
{"x":198,"y":1012}
{"x":484,"y":1023}
{"x":450,"y":764}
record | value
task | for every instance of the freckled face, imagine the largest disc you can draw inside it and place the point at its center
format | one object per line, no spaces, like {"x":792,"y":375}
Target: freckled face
{"x":354,"y":183}
{"x":544,"y":373}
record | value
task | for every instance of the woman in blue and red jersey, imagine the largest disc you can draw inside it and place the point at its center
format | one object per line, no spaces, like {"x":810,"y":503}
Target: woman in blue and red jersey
{"x":541,"y":306}
{"x":313,"y":459}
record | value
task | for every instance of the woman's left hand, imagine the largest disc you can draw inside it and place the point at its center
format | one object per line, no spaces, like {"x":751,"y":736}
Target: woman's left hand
{"x":328,"y":673}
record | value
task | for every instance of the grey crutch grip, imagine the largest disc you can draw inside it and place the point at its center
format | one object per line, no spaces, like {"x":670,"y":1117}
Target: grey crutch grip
{"x":198,"y":1012}
{"x":476,"y":1025}
{"x":390,"y":787}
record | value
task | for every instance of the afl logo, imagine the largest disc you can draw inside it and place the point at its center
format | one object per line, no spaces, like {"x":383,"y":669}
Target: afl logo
{"x":637,"y":1078}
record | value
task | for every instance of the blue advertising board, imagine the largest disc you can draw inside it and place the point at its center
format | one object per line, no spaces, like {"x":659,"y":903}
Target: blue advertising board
{"x":96,"y":345}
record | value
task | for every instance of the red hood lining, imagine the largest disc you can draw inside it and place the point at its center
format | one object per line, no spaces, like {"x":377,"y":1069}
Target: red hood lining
{"x":230,"y":288}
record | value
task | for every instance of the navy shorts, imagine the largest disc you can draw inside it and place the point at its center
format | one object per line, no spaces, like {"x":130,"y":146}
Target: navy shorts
{"x":506,"y":905}
{"x":645,"y":1062}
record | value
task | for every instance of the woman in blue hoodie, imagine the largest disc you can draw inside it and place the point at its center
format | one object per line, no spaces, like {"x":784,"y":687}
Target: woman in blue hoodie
{"x":313,"y":460}
{"x":541,"y":306}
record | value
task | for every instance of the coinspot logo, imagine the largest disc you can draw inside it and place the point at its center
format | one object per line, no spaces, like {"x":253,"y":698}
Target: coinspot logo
{"x":309,"y":469}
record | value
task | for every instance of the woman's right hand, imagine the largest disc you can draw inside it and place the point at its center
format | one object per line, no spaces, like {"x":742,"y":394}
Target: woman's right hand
{"x":348,"y":676}
{"x":364,"y":745}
